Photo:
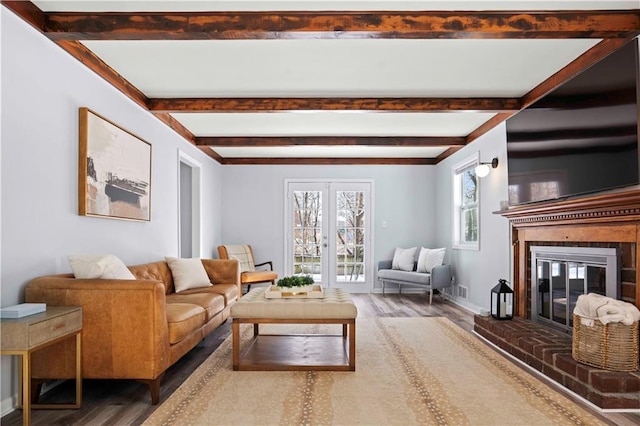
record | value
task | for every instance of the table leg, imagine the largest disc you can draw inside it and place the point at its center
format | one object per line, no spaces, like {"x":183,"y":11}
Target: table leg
{"x":352,"y":345}
{"x":78,"y":370}
{"x":26,"y":388}
{"x":235,"y":336}
{"x":255,"y":329}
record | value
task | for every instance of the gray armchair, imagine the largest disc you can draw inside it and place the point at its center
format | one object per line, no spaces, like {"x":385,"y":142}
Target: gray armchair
{"x":439,"y":278}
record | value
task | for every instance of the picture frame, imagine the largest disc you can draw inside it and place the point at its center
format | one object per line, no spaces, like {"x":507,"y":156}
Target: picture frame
{"x":114,"y":170}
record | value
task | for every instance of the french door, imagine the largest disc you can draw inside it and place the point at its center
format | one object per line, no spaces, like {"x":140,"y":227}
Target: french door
{"x":329,"y":234}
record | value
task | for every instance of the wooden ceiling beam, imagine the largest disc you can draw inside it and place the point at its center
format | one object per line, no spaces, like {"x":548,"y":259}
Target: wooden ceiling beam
{"x":333,"y":104}
{"x":333,"y":25}
{"x":28,"y":11}
{"x":330,"y":161}
{"x":257,"y":141}
{"x":448,"y":153}
{"x":176,"y":126}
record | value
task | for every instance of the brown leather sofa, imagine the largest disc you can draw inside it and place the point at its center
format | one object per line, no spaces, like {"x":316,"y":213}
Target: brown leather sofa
{"x":133,"y":329}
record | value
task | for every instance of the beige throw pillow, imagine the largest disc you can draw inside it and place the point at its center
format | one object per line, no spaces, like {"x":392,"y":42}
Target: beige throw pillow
{"x":403,"y":259}
{"x":187,"y":273}
{"x":429,"y":258}
{"x":106,"y":267}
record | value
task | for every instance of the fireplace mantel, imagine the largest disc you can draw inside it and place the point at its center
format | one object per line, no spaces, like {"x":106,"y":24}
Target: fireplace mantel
{"x":604,"y":219}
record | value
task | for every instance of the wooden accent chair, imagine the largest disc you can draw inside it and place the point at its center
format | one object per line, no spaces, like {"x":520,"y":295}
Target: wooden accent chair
{"x":248,"y":272}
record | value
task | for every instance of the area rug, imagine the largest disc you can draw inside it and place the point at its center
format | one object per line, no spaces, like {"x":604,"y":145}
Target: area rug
{"x":423,"y":371}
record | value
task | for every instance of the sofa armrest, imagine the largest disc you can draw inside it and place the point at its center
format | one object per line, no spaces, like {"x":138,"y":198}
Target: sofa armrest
{"x":125,"y":330}
{"x":385,"y":264}
{"x":441,"y":276}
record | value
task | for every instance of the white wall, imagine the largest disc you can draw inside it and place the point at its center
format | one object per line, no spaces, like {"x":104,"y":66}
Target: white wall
{"x":42,"y":89}
{"x":478,"y":270}
{"x":253,"y":207}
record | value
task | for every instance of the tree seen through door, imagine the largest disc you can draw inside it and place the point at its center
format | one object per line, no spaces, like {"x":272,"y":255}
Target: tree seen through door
{"x":309,"y":241}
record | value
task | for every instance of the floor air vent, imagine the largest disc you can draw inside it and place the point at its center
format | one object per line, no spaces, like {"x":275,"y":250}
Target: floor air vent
{"x":462,"y":292}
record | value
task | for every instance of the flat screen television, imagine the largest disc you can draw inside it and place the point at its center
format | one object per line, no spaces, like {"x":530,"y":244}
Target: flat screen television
{"x":580,"y":139}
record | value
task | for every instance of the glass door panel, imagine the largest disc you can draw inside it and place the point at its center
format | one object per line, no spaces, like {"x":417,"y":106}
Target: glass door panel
{"x":559,"y":292}
{"x":307,"y":212}
{"x":577,"y":286}
{"x":544,"y":289}
{"x":350,"y":234}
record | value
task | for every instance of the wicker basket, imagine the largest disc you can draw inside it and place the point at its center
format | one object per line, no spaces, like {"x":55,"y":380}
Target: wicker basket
{"x":613,"y":346}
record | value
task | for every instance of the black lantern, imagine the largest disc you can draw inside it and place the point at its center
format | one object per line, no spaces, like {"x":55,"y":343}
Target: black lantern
{"x":502,"y":301}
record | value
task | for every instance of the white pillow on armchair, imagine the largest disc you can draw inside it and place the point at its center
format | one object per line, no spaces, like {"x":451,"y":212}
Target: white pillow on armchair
{"x":429,"y":258}
{"x":403,"y":259}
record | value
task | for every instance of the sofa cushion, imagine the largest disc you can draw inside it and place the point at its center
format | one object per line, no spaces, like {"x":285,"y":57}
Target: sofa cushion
{"x":187,"y":273}
{"x":211,"y":302}
{"x":403,"y":259}
{"x":429,"y":258}
{"x":183,"y":319}
{"x":230,"y":292}
{"x":396,"y":275}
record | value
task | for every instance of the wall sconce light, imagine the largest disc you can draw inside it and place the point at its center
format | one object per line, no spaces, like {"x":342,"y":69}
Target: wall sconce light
{"x":482,"y":169}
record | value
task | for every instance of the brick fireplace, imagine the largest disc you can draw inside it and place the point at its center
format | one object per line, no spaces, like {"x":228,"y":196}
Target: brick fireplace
{"x":603,"y":221}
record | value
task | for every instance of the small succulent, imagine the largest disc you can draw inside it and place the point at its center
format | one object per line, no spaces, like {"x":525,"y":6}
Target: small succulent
{"x":295,"y":281}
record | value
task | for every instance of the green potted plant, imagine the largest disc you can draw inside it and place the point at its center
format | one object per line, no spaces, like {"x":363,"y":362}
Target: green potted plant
{"x":296,"y":281}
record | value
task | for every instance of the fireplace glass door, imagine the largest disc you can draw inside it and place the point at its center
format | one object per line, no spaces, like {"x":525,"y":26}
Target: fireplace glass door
{"x":559,"y":283}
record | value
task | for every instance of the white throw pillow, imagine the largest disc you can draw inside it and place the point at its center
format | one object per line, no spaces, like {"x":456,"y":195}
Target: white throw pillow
{"x":403,"y":259}
{"x":103,"y":266}
{"x":87,"y":266}
{"x":429,"y":258}
{"x":187,"y":273}
{"x":115,"y":269}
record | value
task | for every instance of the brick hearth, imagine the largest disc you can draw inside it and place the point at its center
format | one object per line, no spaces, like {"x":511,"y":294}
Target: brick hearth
{"x":549,"y":352}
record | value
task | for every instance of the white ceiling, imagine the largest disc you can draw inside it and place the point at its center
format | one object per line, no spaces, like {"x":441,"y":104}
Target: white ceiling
{"x":334,"y":68}
{"x":328,"y":68}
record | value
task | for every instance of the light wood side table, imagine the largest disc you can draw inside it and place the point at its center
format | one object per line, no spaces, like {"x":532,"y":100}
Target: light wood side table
{"x":22,"y":336}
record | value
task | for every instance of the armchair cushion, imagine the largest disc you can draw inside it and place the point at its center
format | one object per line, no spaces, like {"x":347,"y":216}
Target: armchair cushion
{"x":403,"y":259}
{"x":429,"y":258}
{"x":243,"y":254}
{"x":250,"y":271}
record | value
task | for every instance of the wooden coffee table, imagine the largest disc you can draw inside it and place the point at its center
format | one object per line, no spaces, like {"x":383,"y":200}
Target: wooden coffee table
{"x":334,"y":352}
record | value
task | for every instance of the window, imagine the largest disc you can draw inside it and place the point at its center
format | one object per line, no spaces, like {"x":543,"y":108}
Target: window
{"x":466,"y":208}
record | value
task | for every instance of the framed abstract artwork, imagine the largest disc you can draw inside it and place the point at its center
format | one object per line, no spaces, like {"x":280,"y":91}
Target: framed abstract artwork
{"x":114,"y":173}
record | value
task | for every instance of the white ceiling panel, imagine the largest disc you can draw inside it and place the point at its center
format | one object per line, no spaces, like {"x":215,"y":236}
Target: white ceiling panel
{"x":330,"y":123}
{"x":333,"y":68}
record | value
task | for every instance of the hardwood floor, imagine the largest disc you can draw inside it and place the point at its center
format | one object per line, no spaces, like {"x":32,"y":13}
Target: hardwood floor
{"x":127,"y":402}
